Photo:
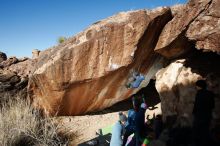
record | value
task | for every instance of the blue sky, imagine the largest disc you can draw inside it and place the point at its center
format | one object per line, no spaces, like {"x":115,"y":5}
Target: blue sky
{"x":36,"y":24}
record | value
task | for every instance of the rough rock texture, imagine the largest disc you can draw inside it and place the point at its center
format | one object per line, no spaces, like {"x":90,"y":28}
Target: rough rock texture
{"x":35,"y":53}
{"x":14,"y":77}
{"x":176,"y":83}
{"x":197,"y":22}
{"x":205,"y":29}
{"x":176,"y":86}
{"x":176,"y":9}
{"x":194,"y":26}
{"x":22,"y":68}
{"x":89,"y":71}
{"x":8,"y":62}
{"x":3,"y":57}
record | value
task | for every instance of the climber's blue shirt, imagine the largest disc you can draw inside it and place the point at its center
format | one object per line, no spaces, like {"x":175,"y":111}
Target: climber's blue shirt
{"x":130,"y":124}
{"x":137,"y":82}
{"x":116,"y":139}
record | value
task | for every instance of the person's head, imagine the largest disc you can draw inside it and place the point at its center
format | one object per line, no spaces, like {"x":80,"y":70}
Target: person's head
{"x":201,"y":84}
{"x":135,"y":103}
{"x":122,"y":118}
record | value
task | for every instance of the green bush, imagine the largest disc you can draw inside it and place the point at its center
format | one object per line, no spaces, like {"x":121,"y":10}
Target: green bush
{"x":61,"y":39}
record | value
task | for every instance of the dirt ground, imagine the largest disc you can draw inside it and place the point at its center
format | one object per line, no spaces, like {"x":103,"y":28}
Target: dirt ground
{"x":84,"y":128}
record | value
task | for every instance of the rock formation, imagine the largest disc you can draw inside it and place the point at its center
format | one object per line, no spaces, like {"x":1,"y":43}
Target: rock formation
{"x":196,"y":26}
{"x":35,"y":53}
{"x":205,"y":29}
{"x":3,"y":57}
{"x":8,"y":62}
{"x":196,"y":23}
{"x":14,"y":76}
{"x":176,"y":85}
{"x":89,"y":71}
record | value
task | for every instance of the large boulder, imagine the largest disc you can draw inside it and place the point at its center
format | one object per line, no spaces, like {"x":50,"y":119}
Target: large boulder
{"x":176,"y":86}
{"x":196,"y":24}
{"x":205,"y":29}
{"x":89,"y":72}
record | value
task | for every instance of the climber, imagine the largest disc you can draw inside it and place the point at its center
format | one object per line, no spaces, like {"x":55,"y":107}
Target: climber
{"x":137,"y":79}
{"x":130,"y":124}
{"x":117,"y":131}
{"x":140,"y":124}
{"x":202,"y":112}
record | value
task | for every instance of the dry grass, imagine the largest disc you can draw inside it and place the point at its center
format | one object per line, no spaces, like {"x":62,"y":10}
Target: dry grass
{"x":21,"y":124}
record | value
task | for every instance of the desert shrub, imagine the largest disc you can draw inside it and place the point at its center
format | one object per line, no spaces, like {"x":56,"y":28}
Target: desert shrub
{"x":21,"y":124}
{"x":61,"y":39}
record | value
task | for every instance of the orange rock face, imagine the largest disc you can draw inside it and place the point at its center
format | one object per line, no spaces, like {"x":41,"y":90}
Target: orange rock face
{"x":89,"y":71}
{"x":205,"y":29}
{"x":195,"y":25}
